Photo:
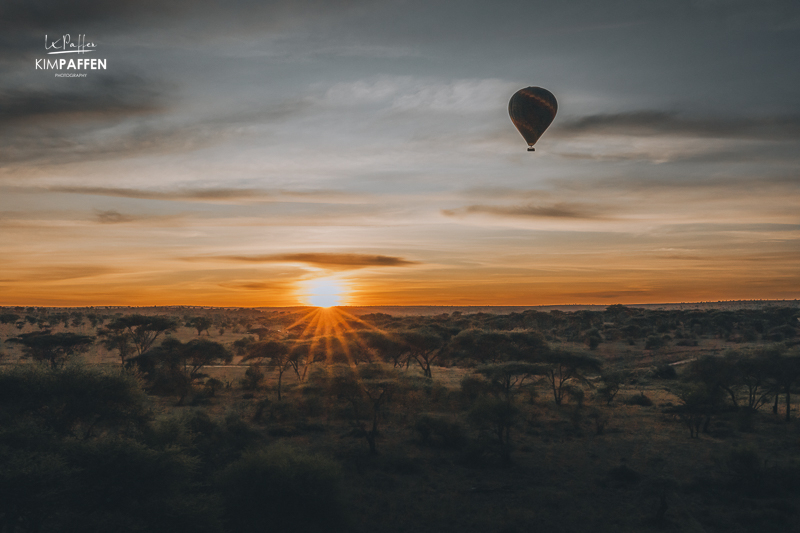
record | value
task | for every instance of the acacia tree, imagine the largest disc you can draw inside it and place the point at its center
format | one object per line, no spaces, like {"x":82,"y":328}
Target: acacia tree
{"x":117,"y":339}
{"x":698,"y":404}
{"x":172,"y":367}
{"x":53,"y":348}
{"x":200,"y":323}
{"x":498,"y":416}
{"x":497,"y":346}
{"x":143,"y":329}
{"x":356,"y":350}
{"x":275,"y":354}
{"x":560,"y":368}
{"x":388,"y":347}
{"x":718,"y":373}
{"x":423,"y":346}
{"x":509,"y":377}
{"x":784,"y":373}
{"x":754,"y":373}
{"x":483,"y":346}
{"x":368,"y":389}
{"x":240,"y":346}
{"x":303,"y":354}
{"x":198,"y":353}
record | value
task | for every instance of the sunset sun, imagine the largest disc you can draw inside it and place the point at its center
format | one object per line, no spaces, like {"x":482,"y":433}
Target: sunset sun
{"x":324,"y":292}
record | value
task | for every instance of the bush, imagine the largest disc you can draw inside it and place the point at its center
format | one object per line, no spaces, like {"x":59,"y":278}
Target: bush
{"x":639,"y":399}
{"x":437,"y":392}
{"x":311,"y":405}
{"x":653,"y":342}
{"x":665,"y":371}
{"x":611,"y":385}
{"x":745,"y":468}
{"x":438,"y":432}
{"x":472,"y":387}
{"x":253,"y":378}
{"x":623,"y":476}
{"x":77,"y":454}
{"x":282,"y":487}
{"x":600,"y":420}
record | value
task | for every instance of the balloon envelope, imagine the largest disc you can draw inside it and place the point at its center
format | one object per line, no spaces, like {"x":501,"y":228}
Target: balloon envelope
{"x":532,"y":110}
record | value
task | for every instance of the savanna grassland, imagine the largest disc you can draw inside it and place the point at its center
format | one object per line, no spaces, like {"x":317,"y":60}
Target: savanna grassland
{"x":603,"y":419}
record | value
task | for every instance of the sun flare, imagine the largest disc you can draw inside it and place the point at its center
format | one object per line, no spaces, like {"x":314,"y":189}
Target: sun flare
{"x":324,"y":292}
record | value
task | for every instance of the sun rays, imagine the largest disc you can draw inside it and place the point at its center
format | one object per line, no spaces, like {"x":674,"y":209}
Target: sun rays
{"x":331,"y":333}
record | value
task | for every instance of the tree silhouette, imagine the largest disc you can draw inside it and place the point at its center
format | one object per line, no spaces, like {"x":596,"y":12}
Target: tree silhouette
{"x":172,"y":367}
{"x":785,"y":373}
{"x":562,"y":367}
{"x":200,"y":323}
{"x":498,"y":416}
{"x":272,"y":353}
{"x":117,"y":339}
{"x":509,"y":377}
{"x":55,"y":348}
{"x":699,"y":403}
{"x":143,"y":329}
{"x":198,"y":353}
{"x":718,"y":373}
{"x":423,"y":346}
{"x":368,"y":389}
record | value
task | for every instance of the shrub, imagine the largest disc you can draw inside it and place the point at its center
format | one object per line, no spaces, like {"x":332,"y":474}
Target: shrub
{"x":437,"y":392}
{"x":600,"y":420}
{"x":639,"y":399}
{"x":745,"y":468}
{"x":286,"y":488}
{"x":665,"y":371}
{"x":653,"y":342}
{"x":623,"y":476}
{"x":253,"y":378}
{"x":686,"y":342}
{"x":474,"y":386}
{"x":438,"y":432}
{"x":311,"y":405}
{"x":611,"y":385}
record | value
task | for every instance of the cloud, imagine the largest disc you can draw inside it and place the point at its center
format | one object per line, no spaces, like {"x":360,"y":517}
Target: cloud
{"x":190,"y":194}
{"x":58,"y":273}
{"x":108,"y":97}
{"x":334,"y":261}
{"x":113,"y":217}
{"x":218,"y":195}
{"x":256,"y":285}
{"x":104,"y":124}
{"x":408,"y":93}
{"x":107,"y":115}
{"x":42,"y":14}
{"x":625,"y":293}
{"x":561,"y":210}
{"x":648,"y":123}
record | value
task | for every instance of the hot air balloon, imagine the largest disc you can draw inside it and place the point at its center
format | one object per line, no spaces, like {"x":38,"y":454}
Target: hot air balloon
{"x":532,"y":109}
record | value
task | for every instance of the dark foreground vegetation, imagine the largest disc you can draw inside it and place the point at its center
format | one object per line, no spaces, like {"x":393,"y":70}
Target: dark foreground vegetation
{"x":623,"y":420}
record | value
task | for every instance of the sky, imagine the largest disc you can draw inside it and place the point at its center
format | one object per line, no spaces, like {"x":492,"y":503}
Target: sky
{"x":248,"y":153}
